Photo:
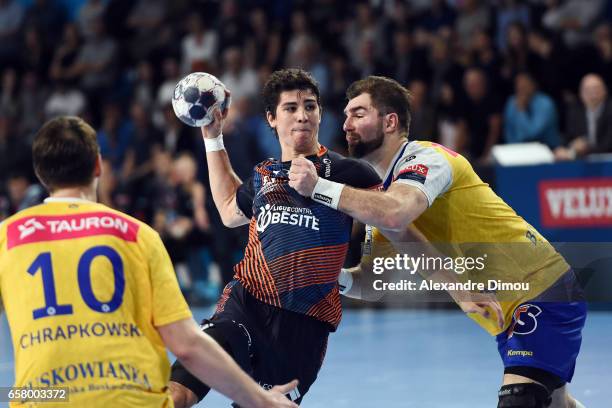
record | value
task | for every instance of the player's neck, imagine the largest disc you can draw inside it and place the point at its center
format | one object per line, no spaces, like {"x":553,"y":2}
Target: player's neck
{"x":290,"y":154}
{"x":83,"y":193}
{"x":381,"y":158}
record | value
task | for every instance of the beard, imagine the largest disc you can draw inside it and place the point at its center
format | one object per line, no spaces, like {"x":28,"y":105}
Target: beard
{"x":360,"y":149}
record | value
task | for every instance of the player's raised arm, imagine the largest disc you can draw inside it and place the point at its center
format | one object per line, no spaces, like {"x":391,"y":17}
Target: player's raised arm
{"x":204,"y":358}
{"x":224,"y":182}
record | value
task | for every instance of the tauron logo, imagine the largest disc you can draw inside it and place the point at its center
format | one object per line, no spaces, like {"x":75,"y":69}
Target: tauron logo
{"x":29,"y":227}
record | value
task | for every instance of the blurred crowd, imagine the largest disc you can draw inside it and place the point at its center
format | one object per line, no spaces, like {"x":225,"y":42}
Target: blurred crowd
{"x":481,"y":73}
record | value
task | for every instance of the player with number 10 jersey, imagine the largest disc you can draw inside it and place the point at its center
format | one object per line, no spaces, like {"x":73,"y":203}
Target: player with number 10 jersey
{"x":68,"y":285}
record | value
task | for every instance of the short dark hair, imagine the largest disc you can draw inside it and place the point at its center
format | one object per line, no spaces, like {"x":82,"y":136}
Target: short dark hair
{"x":287,"y":80}
{"x":64,"y":153}
{"x":388,"y":96}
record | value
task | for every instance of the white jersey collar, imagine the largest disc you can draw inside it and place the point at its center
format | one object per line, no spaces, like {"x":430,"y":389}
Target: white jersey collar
{"x":66,"y":200}
{"x":396,"y":157}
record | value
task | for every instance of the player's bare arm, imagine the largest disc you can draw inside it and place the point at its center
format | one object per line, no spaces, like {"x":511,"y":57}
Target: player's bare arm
{"x":223,"y":180}
{"x":211,"y":364}
{"x":391,"y":210}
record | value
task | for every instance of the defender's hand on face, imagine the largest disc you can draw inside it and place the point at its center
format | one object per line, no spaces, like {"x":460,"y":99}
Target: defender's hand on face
{"x":303,"y":176}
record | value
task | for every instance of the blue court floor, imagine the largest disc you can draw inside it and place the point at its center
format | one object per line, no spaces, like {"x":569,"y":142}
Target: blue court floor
{"x":416,"y":358}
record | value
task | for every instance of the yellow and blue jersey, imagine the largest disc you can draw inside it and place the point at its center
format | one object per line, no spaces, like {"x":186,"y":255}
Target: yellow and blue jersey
{"x":464,"y":213}
{"x":84,"y":288}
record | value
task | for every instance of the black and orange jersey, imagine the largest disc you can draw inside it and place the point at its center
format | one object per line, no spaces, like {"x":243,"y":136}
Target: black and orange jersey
{"x":297,"y":246}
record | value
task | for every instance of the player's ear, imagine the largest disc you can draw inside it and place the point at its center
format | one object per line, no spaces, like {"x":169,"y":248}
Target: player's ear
{"x":98,"y":167}
{"x":391,"y":122}
{"x":271,"y":119}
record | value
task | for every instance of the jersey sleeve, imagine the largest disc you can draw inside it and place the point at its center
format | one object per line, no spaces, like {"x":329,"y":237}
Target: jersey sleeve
{"x":168,"y":303}
{"x":245,"y":196}
{"x":355,"y":173}
{"x":427,"y":170}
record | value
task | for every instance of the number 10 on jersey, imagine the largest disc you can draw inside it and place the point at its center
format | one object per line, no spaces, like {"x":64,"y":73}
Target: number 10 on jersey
{"x":53,"y":308}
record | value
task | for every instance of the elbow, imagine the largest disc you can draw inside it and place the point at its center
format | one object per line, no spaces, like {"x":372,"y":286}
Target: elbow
{"x":394,"y":220}
{"x":185,"y":351}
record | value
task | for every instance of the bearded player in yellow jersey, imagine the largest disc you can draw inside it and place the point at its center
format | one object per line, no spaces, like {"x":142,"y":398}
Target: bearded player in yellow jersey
{"x":91,"y":296}
{"x":436,"y":190}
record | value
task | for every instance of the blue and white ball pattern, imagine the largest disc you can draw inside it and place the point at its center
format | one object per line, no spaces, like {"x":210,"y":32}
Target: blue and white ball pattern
{"x":196,"y":96}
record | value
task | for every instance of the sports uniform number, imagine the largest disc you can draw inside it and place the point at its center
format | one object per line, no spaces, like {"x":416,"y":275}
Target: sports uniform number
{"x":52,"y":308}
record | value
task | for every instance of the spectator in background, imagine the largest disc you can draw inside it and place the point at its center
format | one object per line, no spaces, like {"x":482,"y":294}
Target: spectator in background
{"x":480,"y":117}
{"x":65,"y":56}
{"x":305,"y":54}
{"x":15,"y":154}
{"x":145,"y":138}
{"x":115,"y":137}
{"x":232,"y":29}
{"x":64,"y":101}
{"x":589,"y":124}
{"x":530,"y":115}
{"x":47,"y":17}
{"x":573,"y":19}
{"x":341,"y":75}
{"x":485,"y":56}
{"x":11,"y":18}
{"x":439,"y":15}
{"x":199,"y":46}
{"x":517,"y":57}
{"x":602,"y":37}
{"x":423,"y":119}
{"x":473,"y":15}
{"x":263,"y":46}
{"x":510,"y":11}
{"x":548,"y":65}
{"x":22,"y":193}
{"x":9,"y":92}
{"x":32,"y":98}
{"x":364,"y":27}
{"x":369,"y":62}
{"x":143,"y":86}
{"x":171,"y":75}
{"x":95,"y":66}
{"x":444,"y":69}
{"x":35,"y":55}
{"x":409,"y":61}
{"x":238,"y":76}
{"x":176,"y":137}
{"x":180,"y":215}
{"x":89,"y":12}
{"x":145,"y":22}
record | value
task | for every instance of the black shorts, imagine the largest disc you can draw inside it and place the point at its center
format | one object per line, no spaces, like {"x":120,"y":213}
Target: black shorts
{"x":272,"y":345}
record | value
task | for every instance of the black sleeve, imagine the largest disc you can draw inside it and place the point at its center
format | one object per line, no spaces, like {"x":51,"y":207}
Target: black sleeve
{"x":245,"y":196}
{"x":353,"y":172}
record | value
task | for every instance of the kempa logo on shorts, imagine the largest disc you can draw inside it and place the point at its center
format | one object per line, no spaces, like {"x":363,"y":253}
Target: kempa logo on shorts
{"x":297,"y":216}
{"x":522,"y":353}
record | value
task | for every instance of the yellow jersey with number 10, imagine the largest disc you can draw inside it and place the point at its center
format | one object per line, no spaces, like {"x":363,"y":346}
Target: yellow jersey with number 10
{"x":84,"y":287}
{"x":466,"y":217}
